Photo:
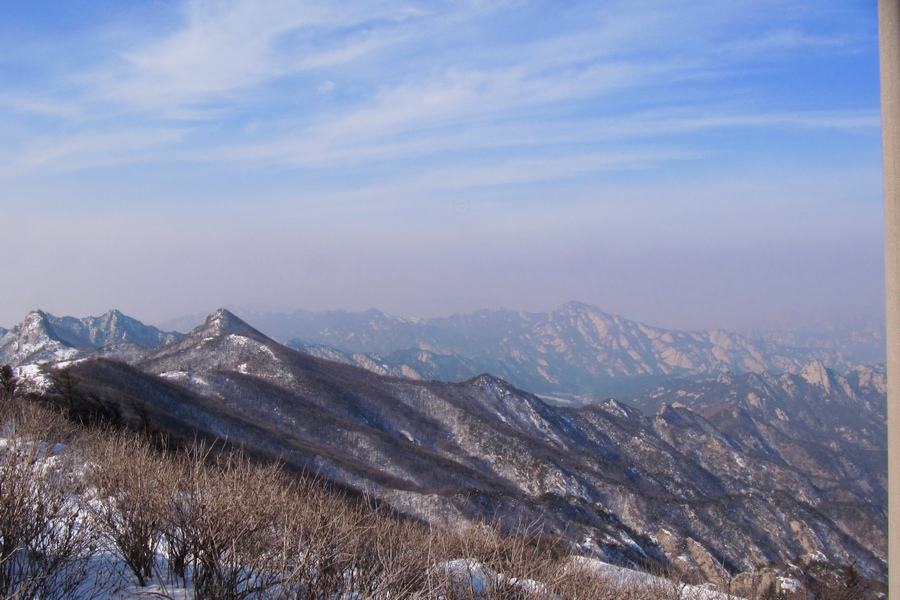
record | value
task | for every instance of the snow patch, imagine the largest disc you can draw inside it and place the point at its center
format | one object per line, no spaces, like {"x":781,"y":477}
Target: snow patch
{"x":33,"y":379}
{"x":176,"y":375}
{"x":628,"y":577}
{"x":469,"y":576}
{"x":789,"y":584}
{"x":243,"y":342}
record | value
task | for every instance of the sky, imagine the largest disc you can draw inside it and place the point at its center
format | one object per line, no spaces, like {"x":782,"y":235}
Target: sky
{"x":686,"y":164}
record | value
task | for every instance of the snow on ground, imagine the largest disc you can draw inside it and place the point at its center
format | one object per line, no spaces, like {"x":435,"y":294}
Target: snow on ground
{"x":629,"y":577}
{"x":32,"y":378}
{"x":470,"y":576}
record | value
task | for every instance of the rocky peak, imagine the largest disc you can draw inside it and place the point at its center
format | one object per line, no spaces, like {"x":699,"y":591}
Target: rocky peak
{"x":576,"y":307}
{"x":726,"y":376}
{"x":33,"y":340}
{"x":816,"y":373}
{"x":222,"y":318}
{"x":223,"y":322}
{"x":613,"y":406}
{"x":115,"y":324}
{"x":35,"y":329}
{"x":36,"y":320}
{"x":873,"y":378}
{"x":114,"y":317}
{"x":486,"y":381}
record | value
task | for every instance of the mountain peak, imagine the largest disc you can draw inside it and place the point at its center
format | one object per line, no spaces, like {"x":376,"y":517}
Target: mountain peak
{"x":36,"y":318}
{"x":483,"y":379}
{"x":611,"y":405}
{"x":35,"y":326}
{"x":577,"y":305}
{"x":486,"y":381}
{"x":113,"y":318}
{"x":225,"y":322}
{"x":816,"y":373}
{"x":582,"y":307}
{"x":223,"y":318}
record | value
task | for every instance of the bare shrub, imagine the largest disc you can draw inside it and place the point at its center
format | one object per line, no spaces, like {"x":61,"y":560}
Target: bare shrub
{"x":319,"y":537}
{"x":228,"y":524}
{"x":398,"y":557}
{"x":332,"y":547}
{"x":573,"y":580}
{"x":131,"y":481}
{"x":482,"y":561}
{"x":178,"y":508}
{"x":25,"y":415}
{"x":43,"y":550}
{"x":373,"y":554}
{"x":833,"y":582}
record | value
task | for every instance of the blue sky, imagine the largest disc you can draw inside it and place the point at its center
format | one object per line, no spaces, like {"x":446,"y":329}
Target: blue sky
{"x":691,"y":165}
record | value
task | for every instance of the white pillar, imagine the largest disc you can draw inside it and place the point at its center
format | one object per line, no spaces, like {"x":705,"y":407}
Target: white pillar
{"x":889,"y":52}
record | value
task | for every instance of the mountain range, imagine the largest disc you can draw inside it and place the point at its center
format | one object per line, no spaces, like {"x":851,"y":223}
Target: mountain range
{"x":42,"y":337}
{"x":710,"y":474}
{"x":571,"y":355}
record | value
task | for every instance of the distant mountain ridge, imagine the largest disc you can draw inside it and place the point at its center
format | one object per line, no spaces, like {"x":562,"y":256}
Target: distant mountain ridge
{"x":575,"y":352}
{"x":858,"y":338}
{"x":572,"y":355}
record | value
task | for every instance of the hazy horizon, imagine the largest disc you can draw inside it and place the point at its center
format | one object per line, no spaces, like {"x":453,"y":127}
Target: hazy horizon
{"x":687,"y":166}
{"x":183,"y":323}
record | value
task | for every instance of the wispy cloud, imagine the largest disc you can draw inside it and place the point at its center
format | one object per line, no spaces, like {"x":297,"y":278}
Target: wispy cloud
{"x":90,"y":150}
{"x":314,"y":85}
{"x":224,"y":49}
{"x":505,"y":92}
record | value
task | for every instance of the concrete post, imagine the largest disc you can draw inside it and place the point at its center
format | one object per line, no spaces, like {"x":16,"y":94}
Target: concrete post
{"x":889,"y":52}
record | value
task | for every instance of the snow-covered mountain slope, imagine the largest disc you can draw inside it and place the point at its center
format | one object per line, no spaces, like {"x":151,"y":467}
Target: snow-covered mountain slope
{"x":666,"y":485}
{"x":42,"y":337}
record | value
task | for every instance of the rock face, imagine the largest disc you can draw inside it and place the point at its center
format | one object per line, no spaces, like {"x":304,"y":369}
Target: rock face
{"x":34,"y":341}
{"x":574,"y":354}
{"x":735,"y":471}
{"x":41,"y":337}
{"x":829,"y":428}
